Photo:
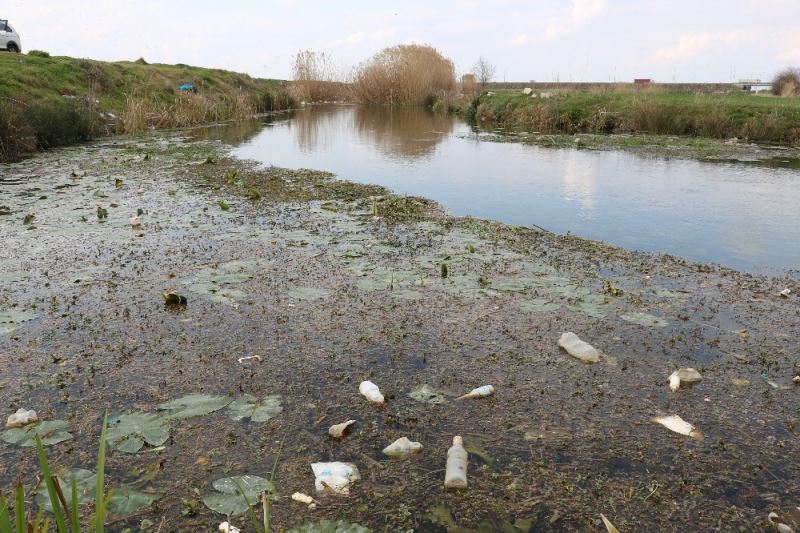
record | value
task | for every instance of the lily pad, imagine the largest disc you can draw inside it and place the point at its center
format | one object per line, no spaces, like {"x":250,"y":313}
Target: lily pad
{"x":308,"y":293}
{"x":246,"y":407}
{"x":539,"y":305}
{"x":194,"y":405}
{"x":11,"y":320}
{"x":236,"y":494}
{"x":50,"y":431}
{"x":426,"y":394}
{"x":644,"y":319}
{"x":128,"y":433}
{"x":328,"y":526}
{"x":594,"y":306}
{"x":125,"y":501}
{"x":85,"y":483}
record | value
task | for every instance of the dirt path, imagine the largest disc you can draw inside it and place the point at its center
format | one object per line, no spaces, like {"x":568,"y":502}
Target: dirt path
{"x":332,"y":283}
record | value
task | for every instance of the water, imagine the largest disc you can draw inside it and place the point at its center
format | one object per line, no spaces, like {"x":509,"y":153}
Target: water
{"x":742,"y":216}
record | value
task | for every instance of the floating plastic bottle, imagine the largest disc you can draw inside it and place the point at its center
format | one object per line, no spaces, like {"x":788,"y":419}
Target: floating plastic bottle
{"x":371,"y":392}
{"x":480,"y":392}
{"x":402,"y":448}
{"x":455,"y":476}
{"x":578,"y":348}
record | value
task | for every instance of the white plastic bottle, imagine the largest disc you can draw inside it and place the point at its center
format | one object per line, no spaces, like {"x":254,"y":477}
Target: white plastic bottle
{"x":455,"y":476}
{"x":371,"y":392}
{"x":480,"y":392}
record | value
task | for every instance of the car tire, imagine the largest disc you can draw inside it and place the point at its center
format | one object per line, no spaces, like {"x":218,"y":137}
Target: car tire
{"x":12,"y":47}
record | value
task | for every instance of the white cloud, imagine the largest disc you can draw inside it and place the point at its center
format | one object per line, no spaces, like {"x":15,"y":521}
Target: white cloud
{"x":582,"y":11}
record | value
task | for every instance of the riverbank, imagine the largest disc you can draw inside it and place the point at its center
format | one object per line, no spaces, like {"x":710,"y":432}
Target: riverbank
{"x":745,"y":116}
{"x":331,"y":283}
{"x":57,"y":101}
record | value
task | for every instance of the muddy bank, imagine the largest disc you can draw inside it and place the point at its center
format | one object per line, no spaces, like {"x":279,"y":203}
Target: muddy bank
{"x":331,"y":283}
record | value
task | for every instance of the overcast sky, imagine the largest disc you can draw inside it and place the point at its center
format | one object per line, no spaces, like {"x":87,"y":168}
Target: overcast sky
{"x":543,"y":40}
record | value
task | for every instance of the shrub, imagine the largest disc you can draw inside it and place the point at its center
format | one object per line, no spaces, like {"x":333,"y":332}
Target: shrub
{"x":786,"y":82}
{"x":404,"y":74}
{"x":16,"y":136}
{"x":316,"y":78}
{"x":59,"y":123}
{"x":38,"y":53}
{"x":272,"y":100}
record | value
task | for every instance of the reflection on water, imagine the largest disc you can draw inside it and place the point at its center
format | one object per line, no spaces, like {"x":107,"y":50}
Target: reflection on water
{"x":233,"y":133}
{"x":742,"y":216}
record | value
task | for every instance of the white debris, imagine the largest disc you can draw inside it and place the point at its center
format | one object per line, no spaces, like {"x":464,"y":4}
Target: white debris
{"x":402,"y":448}
{"x":527,"y":91}
{"x":228,"y":528}
{"x":678,"y":425}
{"x":785,"y":293}
{"x":337,"y":431}
{"x":334,"y":477}
{"x":455,"y":472}
{"x":371,"y":392}
{"x":579,"y":349}
{"x":480,"y":392}
{"x":688,"y":376}
{"x":135,"y":222}
{"x":21,"y":418}
{"x":779,"y":522}
{"x":302,"y":498}
{"x":249,"y":358}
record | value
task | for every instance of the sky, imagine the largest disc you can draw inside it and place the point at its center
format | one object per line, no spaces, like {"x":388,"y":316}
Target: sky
{"x":541,"y":40}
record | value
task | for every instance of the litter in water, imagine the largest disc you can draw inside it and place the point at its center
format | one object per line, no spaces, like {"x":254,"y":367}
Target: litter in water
{"x":688,"y":376}
{"x":337,"y":431}
{"x":243,"y":360}
{"x":21,"y":418}
{"x":578,"y":348}
{"x":402,"y":448}
{"x":678,"y":425}
{"x":335,"y":478}
{"x":225,"y":527}
{"x":480,"y":392}
{"x":455,"y":476}
{"x":371,"y":392}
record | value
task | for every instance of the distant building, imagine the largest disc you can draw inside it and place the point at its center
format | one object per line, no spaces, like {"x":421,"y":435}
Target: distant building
{"x":643,"y":81}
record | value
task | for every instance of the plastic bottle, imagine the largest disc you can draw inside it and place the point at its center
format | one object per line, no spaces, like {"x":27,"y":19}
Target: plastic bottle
{"x":578,"y":348}
{"x":480,"y":392}
{"x":455,"y":476}
{"x":402,"y":448}
{"x":371,"y":392}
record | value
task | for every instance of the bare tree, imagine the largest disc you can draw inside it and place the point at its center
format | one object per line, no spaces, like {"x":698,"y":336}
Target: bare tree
{"x":484,"y":71}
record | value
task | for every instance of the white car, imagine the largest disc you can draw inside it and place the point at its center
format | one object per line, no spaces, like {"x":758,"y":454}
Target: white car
{"x":9,"y":39}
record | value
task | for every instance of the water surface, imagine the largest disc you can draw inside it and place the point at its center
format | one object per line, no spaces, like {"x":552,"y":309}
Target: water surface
{"x":742,"y":216}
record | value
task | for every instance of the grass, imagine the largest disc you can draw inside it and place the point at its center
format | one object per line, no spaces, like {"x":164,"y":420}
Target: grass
{"x":52,"y":101}
{"x":721,"y":116}
{"x":63,"y":512}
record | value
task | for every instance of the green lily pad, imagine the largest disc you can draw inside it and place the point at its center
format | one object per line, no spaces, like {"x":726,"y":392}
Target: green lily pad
{"x":539,"y":305}
{"x":125,"y":501}
{"x":644,"y":319}
{"x":328,"y":526}
{"x":246,"y":407}
{"x":50,"y":431}
{"x":426,"y":394}
{"x":308,"y":293}
{"x":128,"y":433}
{"x":85,"y":483}
{"x":11,"y":320}
{"x":592,"y":305}
{"x":236,"y":494}
{"x":194,"y":405}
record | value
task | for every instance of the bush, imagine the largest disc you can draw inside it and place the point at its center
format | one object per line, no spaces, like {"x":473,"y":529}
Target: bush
{"x":272,"y":100}
{"x":786,"y":82}
{"x":316,"y":78}
{"x":16,"y":137}
{"x":404,"y":74}
{"x":38,"y":53}
{"x":59,"y":123}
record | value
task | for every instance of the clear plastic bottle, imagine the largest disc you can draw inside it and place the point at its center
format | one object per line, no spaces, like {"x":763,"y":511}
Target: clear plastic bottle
{"x":455,"y":476}
{"x":371,"y":392}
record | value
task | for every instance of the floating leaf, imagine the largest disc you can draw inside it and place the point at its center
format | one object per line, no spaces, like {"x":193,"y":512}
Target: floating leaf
{"x":85,"y":482}
{"x":236,"y":494}
{"x":194,"y":405}
{"x":539,"y":305}
{"x":644,"y":319}
{"x":50,"y":431}
{"x":426,"y":394}
{"x":594,"y":306}
{"x":126,"y":501}
{"x":328,"y":526}
{"x":246,"y":407}
{"x":308,"y":293}
{"x":128,"y":433}
{"x":11,"y":320}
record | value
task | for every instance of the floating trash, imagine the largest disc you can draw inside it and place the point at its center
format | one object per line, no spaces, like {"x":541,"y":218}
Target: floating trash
{"x":21,"y":418}
{"x":678,"y":425}
{"x":480,"y":392}
{"x":455,"y":476}
{"x":371,"y":392}
{"x":403,"y":448}
{"x":578,"y":348}
{"x":335,"y":477}
{"x":688,"y":376}
{"x":337,"y":431}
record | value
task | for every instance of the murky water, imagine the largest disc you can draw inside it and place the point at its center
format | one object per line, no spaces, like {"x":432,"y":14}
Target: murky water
{"x":742,"y":216}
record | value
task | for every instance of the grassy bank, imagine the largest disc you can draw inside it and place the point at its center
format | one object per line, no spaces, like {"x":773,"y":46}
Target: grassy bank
{"x":54,"y":101}
{"x":720,"y":116}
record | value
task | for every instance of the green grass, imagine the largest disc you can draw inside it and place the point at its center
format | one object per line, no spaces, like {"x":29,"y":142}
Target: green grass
{"x":721,"y":116}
